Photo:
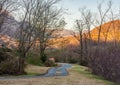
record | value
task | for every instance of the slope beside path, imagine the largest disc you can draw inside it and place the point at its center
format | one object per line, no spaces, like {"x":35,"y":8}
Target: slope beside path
{"x":76,"y":77}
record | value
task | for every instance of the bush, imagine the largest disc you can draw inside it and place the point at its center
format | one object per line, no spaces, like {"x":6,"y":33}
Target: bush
{"x":5,"y":50}
{"x":43,"y":58}
{"x":34,"y":59}
{"x":73,"y":61}
{"x":83,"y":62}
{"x":105,"y":62}
{"x":8,"y":63}
{"x":66,"y":55}
{"x":50,"y":63}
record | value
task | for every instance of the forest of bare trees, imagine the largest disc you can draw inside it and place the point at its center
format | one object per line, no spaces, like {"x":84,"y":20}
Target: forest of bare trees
{"x":41,"y":19}
{"x":103,"y":56}
{"x":38,"y":20}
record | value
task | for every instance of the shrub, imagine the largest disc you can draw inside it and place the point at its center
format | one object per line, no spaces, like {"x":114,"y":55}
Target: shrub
{"x":8,"y":63}
{"x":83,"y":62}
{"x":105,"y":62}
{"x":50,"y":63}
{"x":43,"y":58}
{"x":73,"y":61}
{"x":5,"y":50}
{"x":34,"y":59}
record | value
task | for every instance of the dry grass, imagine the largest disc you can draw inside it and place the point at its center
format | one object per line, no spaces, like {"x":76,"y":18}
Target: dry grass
{"x":75,"y":78}
{"x":32,"y":69}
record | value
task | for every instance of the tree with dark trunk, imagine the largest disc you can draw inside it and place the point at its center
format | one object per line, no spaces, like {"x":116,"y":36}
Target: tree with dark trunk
{"x":49,"y":22}
{"x":39,"y":21}
{"x":26,"y":33}
{"x":102,"y":17}
{"x":80,"y":27}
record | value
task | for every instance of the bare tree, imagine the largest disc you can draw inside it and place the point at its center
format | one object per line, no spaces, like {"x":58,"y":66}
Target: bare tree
{"x":87,"y":18}
{"x":49,"y":22}
{"x":83,"y":26}
{"x":115,"y":25}
{"x":39,"y":21}
{"x":86,"y":15}
{"x":102,"y":17}
{"x":26,"y":33}
{"x":106,"y":32}
{"x":80,"y":28}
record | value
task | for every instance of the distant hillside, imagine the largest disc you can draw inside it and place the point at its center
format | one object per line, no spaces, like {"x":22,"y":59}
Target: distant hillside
{"x":66,"y":38}
{"x":6,"y":41}
{"x":9,"y":26}
{"x":8,"y":29}
{"x":64,"y":41}
{"x":61,"y":33}
{"x":65,"y":33}
{"x":111,"y":30}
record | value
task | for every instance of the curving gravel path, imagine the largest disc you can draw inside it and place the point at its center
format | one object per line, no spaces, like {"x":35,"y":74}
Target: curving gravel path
{"x":58,"y":71}
{"x":55,"y":71}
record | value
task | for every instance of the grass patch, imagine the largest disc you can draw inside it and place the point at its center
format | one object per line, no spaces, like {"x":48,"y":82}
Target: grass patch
{"x":35,"y":70}
{"x":34,"y":59}
{"x":31,"y":70}
{"x":84,"y":71}
{"x":29,"y":74}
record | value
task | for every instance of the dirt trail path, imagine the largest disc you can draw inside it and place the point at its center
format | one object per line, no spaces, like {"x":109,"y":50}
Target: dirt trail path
{"x":74,"y":78}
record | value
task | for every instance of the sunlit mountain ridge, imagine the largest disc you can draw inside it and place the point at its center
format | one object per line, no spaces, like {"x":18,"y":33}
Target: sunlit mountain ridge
{"x":109,"y":31}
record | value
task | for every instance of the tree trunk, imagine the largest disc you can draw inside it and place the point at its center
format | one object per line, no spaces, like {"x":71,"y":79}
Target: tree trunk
{"x":81,"y":48}
{"x":43,"y":57}
{"x":21,"y":64}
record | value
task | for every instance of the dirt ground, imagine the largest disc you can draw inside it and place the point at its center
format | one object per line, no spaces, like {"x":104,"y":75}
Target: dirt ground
{"x":74,"y":78}
{"x":36,"y":69}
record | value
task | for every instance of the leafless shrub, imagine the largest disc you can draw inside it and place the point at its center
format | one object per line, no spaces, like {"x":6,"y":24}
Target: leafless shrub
{"x":106,"y":61}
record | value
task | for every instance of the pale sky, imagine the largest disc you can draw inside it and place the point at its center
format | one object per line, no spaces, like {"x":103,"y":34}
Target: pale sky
{"x":72,"y":7}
